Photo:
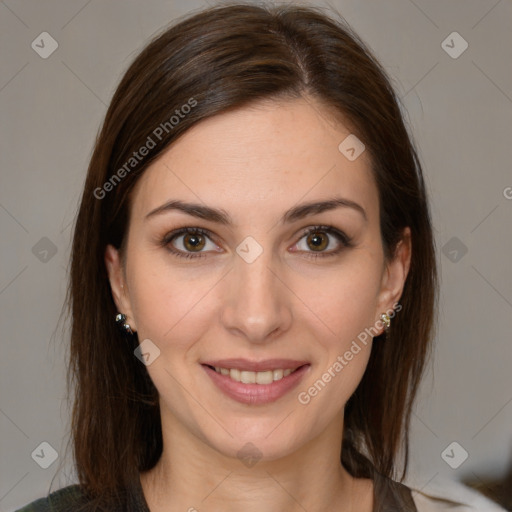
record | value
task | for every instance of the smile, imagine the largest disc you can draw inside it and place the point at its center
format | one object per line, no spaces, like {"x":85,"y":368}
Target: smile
{"x":249,"y":377}
{"x":256,"y":387}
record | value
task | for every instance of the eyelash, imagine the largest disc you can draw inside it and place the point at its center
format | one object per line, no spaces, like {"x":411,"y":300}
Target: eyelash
{"x":345,"y":241}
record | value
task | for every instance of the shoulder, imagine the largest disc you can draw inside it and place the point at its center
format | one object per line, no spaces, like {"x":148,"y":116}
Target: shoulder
{"x":448,"y":495}
{"x":61,"y":499}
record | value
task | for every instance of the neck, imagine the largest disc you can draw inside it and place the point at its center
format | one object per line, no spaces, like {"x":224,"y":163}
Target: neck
{"x":191,"y":475}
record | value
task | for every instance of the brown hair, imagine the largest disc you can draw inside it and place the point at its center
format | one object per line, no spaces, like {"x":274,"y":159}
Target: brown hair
{"x":223,"y":58}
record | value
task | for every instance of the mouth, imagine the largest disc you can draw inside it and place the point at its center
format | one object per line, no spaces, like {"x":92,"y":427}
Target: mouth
{"x":249,"y":377}
{"x":256,"y":383}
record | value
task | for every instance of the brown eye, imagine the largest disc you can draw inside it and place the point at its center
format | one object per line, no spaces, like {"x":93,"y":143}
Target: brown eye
{"x":193,"y":242}
{"x":317,"y":241}
{"x":190,"y":242}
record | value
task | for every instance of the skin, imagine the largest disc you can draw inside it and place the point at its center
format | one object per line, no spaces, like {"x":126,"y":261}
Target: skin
{"x":255,"y":164}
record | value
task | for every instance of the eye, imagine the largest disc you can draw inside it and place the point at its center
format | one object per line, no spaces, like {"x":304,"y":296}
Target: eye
{"x":189,"y":242}
{"x":192,"y":242}
{"x":317,"y":239}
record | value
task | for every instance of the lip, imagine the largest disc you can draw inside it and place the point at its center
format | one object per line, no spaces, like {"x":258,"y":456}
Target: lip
{"x":255,"y":394}
{"x":256,"y":366}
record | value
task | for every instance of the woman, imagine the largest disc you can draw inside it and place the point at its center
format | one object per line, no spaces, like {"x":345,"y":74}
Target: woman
{"x":253,"y":278}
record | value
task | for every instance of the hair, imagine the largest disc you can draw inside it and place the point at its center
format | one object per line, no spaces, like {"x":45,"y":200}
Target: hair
{"x":216,"y":60}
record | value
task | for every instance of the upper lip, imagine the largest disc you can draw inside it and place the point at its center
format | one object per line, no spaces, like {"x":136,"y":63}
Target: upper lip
{"x":256,"y":366}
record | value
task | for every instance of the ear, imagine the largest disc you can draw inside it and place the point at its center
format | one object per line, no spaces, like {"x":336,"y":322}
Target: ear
{"x":394,"y":276}
{"x":117,"y":284}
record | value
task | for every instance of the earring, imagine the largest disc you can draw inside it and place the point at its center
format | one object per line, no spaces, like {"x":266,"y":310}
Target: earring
{"x":121,"y":322}
{"x":387,"y":320}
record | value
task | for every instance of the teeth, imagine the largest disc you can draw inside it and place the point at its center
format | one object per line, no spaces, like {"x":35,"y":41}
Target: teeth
{"x":278,"y":374}
{"x":247,"y":377}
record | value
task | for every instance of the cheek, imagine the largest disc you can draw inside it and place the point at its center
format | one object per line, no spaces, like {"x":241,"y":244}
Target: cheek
{"x":341,"y":299}
{"x":346,"y":303}
{"x":167,"y":305}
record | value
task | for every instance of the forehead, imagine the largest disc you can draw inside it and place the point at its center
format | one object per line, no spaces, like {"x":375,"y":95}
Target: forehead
{"x":259,"y":160}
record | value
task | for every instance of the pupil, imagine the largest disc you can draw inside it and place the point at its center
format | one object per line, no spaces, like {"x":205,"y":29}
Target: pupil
{"x":193,"y":242}
{"x":317,"y":240}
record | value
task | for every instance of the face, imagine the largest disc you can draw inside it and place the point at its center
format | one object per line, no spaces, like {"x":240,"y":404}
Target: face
{"x":279,"y":266}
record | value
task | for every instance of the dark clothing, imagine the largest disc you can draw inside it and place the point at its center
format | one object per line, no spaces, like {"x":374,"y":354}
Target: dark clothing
{"x":389,"y":496}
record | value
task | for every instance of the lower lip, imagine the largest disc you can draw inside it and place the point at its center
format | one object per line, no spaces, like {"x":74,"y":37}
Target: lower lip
{"x":254,"y":394}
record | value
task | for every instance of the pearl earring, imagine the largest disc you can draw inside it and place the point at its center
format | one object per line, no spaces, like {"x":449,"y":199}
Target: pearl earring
{"x":387,"y":320}
{"x":121,"y":322}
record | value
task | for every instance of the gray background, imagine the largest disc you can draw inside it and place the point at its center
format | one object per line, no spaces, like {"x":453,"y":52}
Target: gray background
{"x":459,"y":110}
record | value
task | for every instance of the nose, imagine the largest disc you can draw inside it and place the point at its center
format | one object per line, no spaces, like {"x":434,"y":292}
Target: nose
{"x":257,"y":302}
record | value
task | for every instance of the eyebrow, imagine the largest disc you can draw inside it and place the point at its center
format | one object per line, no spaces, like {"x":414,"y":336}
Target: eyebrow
{"x":220,"y":216}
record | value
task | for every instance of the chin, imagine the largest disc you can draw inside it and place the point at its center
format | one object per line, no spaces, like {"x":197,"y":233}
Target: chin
{"x":252,"y":442}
